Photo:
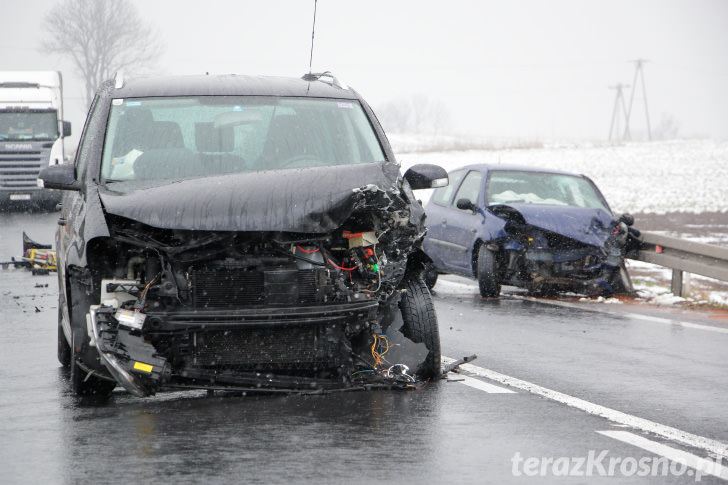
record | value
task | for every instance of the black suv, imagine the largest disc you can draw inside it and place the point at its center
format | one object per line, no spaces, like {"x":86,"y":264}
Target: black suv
{"x":239,"y":232}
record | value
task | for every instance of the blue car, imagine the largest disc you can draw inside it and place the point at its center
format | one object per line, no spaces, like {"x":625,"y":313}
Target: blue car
{"x":543,"y":230}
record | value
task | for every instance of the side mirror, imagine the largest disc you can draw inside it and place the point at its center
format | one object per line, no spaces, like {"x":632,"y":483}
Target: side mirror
{"x":66,"y":129}
{"x":627,"y":219}
{"x":426,"y":176}
{"x":61,"y":177}
{"x":466,"y":205}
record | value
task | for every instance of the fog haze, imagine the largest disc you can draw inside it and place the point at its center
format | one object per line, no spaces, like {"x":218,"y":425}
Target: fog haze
{"x":524,"y":69}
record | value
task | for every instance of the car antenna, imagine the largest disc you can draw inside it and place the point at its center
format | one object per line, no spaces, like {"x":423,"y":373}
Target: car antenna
{"x":313,"y":33}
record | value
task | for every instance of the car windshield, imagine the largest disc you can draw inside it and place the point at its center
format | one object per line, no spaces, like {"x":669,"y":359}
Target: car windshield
{"x":509,"y":187}
{"x":28,"y":125}
{"x":188,"y":137}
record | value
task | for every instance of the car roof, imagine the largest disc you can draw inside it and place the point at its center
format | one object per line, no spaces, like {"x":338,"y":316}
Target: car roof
{"x":230,"y":85}
{"x":515,"y":168}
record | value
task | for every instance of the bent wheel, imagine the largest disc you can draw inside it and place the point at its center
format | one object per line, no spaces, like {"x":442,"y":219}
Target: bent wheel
{"x":420,"y":324}
{"x":488,"y":281}
{"x":621,"y":282}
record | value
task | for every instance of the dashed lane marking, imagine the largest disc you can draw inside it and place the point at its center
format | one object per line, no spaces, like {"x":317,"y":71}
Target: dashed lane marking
{"x":484,"y":386}
{"x":673,"y":434}
{"x":702,"y":465}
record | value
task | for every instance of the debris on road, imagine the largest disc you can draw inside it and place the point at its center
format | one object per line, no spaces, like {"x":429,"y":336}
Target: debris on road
{"x":39,"y":258}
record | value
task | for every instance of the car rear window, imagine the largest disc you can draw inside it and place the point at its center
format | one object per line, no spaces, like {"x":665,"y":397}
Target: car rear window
{"x":187,"y":137}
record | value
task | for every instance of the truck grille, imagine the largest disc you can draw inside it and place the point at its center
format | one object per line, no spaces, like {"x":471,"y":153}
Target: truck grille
{"x":19,"y":170}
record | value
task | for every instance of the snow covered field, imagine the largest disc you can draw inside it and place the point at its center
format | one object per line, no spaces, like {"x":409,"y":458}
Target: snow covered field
{"x":661,"y":177}
{"x":655,"y":177}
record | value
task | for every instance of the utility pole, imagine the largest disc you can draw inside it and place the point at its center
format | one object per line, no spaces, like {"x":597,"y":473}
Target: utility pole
{"x":638,"y":72}
{"x":619,"y":101}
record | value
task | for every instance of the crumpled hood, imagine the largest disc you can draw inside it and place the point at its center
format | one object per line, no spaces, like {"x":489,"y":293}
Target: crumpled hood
{"x":317,"y":199}
{"x":586,"y":225}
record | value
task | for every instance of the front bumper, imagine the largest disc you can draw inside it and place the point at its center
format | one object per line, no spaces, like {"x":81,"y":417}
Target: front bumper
{"x":292,"y":348}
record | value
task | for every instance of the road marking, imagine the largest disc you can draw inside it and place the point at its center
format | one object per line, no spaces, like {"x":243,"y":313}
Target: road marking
{"x":638,"y":316}
{"x":704,"y":466}
{"x":484,"y":386}
{"x":672,"y":434}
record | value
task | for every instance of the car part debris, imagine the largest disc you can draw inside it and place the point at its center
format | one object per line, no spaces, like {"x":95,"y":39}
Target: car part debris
{"x":40,"y":259}
{"x":454,"y":366}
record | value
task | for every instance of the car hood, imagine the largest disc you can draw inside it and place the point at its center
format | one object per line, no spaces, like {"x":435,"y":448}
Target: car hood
{"x":586,"y":225}
{"x":317,"y":199}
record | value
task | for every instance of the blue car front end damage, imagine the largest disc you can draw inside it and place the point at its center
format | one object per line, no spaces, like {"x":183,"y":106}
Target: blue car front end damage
{"x":546,"y":247}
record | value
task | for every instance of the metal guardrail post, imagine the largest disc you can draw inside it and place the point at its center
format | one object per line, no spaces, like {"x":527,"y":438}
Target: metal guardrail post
{"x":676,"y":285}
{"x":683,"y":257}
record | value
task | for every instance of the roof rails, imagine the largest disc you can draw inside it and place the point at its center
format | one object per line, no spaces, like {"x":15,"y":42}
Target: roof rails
{"x":119,"y":79}
{"x":316,"y":76}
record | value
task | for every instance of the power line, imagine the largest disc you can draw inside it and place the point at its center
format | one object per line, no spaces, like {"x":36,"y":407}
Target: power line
{"x":638,"y":72}
{"x":619,"y":103}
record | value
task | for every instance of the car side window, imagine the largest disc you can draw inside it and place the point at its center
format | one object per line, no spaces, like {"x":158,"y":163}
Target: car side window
{"x":470,"y":188}
{"x":442,"y":195}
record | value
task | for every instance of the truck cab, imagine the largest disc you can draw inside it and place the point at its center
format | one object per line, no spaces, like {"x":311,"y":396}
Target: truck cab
{"x":31,"y":135}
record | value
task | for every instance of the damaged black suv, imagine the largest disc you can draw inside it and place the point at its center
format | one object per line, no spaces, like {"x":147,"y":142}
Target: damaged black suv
{"x":238,"y":232}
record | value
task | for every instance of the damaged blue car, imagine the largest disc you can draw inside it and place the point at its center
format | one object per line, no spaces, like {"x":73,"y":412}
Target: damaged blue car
{"x":543,"y":230}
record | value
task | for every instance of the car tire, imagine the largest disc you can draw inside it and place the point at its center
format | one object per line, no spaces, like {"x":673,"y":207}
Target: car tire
{"x":83,"y":384}
{"x":430,"y":275}
{"x":488,"y":280}
{"x":420,"y":325}
{"x":64,"y":350}
{"x":620,"y":282}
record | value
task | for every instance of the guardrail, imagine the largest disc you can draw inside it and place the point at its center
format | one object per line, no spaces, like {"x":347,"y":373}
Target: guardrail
{"x":683,"y":257}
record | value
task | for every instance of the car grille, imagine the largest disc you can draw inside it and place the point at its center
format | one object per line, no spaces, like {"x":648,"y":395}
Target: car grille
{"x":224,"y":287}
{"x":298,"y":347}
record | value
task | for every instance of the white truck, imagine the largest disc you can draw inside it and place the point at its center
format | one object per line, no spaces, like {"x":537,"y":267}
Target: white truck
{"x":31,"y":134}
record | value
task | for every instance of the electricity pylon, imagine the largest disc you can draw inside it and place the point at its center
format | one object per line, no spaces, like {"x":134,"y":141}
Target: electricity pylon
{"x":638,"y":72}
{"x":619,"y":102}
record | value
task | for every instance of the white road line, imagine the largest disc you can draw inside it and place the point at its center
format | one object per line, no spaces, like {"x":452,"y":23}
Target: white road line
{"x":637,"y":316}
{"x":702,"y":465}
{"x":484,"y":386}
{"x":672,"y":434}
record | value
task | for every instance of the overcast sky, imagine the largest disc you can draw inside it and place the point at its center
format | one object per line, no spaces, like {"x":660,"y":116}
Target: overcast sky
{"x":529,"y":69}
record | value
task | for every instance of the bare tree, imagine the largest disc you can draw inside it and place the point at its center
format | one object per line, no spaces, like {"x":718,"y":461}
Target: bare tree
{"x":101,"y":37}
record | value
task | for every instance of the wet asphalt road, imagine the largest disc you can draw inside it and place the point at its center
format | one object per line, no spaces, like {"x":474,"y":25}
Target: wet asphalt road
{"x":669,"y":373}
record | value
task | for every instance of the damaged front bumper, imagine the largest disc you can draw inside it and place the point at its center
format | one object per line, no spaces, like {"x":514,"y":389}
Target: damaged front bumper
{"x":305,"y":349}
{"x":130,"y":360}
